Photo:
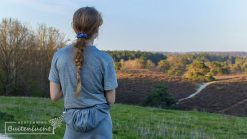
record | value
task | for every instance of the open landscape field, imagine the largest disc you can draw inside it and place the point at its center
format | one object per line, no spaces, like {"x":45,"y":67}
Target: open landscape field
{"x":129,"y":121}
{"x":135,"y":85}
{"x":180,"y":67}
{"x":228,"y":94}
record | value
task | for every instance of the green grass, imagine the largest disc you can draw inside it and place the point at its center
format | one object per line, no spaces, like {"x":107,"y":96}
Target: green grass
{"x":130,"y":122}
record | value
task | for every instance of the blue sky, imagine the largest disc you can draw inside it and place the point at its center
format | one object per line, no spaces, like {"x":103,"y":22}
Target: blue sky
{"x":147,"y":25}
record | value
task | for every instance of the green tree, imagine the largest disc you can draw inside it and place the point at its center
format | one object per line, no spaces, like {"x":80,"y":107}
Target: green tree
{"x":149,"y":64}
{"x":164,"y":65}
{"x":117,"y":65}
{"x":198,"y":71}
{"x":178,"y":65}
{"x":218,"y":68}
{"x":159,"y":97}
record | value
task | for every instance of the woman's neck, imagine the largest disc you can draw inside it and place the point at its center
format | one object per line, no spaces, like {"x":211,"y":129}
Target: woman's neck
{"x":89,"y":42}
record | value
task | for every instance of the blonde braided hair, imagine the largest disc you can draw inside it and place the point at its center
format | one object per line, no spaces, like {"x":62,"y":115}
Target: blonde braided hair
{"x":86,"y":20}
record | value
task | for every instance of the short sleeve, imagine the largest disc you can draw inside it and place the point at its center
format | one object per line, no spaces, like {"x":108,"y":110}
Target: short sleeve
{"x":53,"y":74}
{"x":110,"y":77}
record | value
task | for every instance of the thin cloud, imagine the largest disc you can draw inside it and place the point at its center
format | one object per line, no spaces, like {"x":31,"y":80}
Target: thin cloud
{"x":55,"y":6}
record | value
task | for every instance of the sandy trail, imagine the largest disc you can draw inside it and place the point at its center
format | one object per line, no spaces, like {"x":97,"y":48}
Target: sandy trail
{"x":201,"y":87}
{"x":232,"y":106}
{"x":219,"y":79}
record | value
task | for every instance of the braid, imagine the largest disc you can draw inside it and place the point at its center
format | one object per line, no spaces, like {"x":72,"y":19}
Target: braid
{"x":86,"y":23}
{"x":79,"y":59}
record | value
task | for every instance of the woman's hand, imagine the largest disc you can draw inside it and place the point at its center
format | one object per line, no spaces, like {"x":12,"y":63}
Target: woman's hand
{"x":110,"y":96}
{"x":55,"y":91}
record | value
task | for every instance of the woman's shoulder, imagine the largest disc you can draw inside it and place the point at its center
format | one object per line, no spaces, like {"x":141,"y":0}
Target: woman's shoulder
{"x":64,"y":50}
{"x":104,"y":55}
{"x":107,"y":58}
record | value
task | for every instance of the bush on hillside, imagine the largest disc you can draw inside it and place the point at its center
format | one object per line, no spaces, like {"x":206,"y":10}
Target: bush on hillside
{"x":149,"y":64}
{"x":159,"y":97}
{"x":198,"y":71}
{"x":34,"y":88}
{"x":137,"y":63}
{"x":164,"y":65}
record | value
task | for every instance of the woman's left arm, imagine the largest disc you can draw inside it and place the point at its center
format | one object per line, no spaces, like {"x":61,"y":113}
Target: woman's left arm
{"x":55,"y":91}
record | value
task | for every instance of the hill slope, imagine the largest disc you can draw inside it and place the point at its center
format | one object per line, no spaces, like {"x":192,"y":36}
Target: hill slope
{"x":130,"y":122}
{"x":139,"y":83}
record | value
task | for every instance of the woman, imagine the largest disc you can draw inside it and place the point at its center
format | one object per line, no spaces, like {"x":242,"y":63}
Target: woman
{"x":85,"y":77}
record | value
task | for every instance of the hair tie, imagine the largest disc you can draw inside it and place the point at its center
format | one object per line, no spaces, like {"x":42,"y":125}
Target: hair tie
{"x":82,"y":35}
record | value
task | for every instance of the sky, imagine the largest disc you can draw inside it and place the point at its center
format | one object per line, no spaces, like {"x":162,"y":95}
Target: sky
{"x":146,"y":25}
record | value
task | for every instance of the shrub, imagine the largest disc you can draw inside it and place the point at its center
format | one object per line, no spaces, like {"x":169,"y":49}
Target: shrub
{"x":4,"y":117}
{"x":164,"y":65}
{"x":198,"y":71}
{"x":149,"y":64}
{"x":117,"y":65}
{"x":137,"y":63}
{"x":34,"y":88}
{"x":2,"y":78}
{"x":159,"y":97}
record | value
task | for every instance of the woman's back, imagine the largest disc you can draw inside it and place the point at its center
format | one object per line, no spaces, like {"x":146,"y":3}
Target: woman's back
{"x":97,"y":74}
{"x":86,"y":77}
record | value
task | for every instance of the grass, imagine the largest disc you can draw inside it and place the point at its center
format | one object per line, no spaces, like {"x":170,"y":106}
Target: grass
{"x":130,"y":122}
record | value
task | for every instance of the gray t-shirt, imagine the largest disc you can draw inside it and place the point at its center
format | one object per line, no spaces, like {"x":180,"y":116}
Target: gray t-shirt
{"x":97,"y":74}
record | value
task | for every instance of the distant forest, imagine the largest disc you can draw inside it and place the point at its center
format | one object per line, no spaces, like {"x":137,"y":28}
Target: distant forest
{"x":234,"y":53}
{"x":26,"y":53}
{"x":200,"y":66}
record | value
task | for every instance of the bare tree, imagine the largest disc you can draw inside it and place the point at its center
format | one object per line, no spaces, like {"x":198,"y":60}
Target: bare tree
{"x":15,"y":41}
{"x":25,"y":56}
{"x":48,"y":40}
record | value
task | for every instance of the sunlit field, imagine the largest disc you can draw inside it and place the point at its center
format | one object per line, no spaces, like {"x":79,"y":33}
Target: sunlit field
{"x":131,"y":122}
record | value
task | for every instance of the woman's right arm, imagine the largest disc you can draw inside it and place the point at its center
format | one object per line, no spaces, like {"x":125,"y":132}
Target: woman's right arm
{"x":110,"y":82}
{"x":110,"y":96}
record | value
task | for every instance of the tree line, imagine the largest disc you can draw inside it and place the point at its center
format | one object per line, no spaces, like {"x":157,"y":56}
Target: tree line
{"x":192,"y":66}
{"x":25,"y":57}
{"x":26,"y":53}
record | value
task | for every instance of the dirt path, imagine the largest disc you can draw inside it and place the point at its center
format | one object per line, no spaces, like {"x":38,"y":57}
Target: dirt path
{"x":236,"y":104}
{"x":231,"y":78}
{"x":232,"y":106}
{"x":219,"y":79}
{"x":201,"y":87}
